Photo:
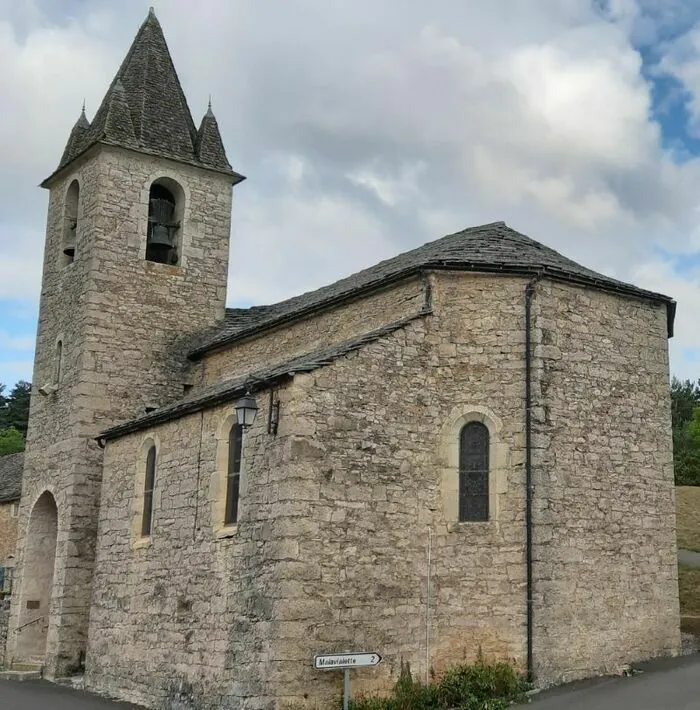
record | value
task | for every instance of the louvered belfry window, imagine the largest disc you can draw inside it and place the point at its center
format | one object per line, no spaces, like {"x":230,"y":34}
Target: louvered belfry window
{"x":148,"y":487}
{"x":233,"y":475}
{"x":474,"y":472}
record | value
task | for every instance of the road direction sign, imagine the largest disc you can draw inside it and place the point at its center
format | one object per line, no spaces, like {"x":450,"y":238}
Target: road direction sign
{"x":336,"y":661}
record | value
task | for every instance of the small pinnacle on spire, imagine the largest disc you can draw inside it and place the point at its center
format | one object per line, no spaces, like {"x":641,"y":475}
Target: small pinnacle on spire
{"x":83,"y":109}
{"x":209,"y":111}
{"x":151,"y":11}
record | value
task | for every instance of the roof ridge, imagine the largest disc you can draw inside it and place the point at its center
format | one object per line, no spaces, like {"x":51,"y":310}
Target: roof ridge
{"x":118,"y":124}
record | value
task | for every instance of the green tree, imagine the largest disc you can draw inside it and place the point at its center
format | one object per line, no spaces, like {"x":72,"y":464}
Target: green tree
{"x":17,"y":407}
{"x":11,"y":441}
{"x":685,"y":414}
{"x":14,"y":416}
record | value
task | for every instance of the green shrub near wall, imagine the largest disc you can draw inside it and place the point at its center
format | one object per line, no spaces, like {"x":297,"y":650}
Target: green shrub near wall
{"x":481,"y":686}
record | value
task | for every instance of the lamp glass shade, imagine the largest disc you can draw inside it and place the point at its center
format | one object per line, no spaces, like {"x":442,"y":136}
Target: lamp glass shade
{"x":246,"y":410}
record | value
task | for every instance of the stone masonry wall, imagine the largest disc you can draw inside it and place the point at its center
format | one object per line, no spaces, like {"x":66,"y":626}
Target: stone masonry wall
{"x":8,"y":532}
{"x":123,"y":323}
{"x":186,"y":617}
{"x":606,"y":577}
{"x":338,"y":511}
{"x":330,"y":551}
{"x":330,"y":327}
{"x":4,"y":620}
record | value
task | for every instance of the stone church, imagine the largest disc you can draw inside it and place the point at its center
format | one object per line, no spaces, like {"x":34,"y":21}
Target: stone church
{"x":462,"y":450}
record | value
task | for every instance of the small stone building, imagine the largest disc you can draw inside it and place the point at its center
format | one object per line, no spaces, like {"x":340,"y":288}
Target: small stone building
{"x":464,"y":449}
{"x":11,"y":466}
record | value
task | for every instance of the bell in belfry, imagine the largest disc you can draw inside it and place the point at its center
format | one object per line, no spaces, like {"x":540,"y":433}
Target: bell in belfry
{"x":69,"y":239}
{"x":161,"y":225}
{"x":159,"y":243}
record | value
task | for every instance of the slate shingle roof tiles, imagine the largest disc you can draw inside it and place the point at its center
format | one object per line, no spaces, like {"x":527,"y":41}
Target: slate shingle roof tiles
{"x":145,"y":109}
{"x":11,"y":468}
{"x":490,"y":247}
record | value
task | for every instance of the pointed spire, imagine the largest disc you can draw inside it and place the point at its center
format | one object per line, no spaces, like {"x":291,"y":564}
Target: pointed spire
{"x":145,"y":109}
{"x":76,"y":139}
{"x":208,"y":145}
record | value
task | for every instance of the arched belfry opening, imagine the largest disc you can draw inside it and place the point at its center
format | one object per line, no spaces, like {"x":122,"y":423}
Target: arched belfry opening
{"x":37,"y":579}
{"x":165,"y":210}
{"x":69,"y":238}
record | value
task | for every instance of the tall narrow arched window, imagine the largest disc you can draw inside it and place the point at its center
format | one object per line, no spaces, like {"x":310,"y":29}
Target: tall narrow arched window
{"x":58,"y":362}
{"x":69,"y":238}
{"x":149,"y":485}
{"x":165,"y":208}
{"x":233,"y":475}
{"x":474,"y":472}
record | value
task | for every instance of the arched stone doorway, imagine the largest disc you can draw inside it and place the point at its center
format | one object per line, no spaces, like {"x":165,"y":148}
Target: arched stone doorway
{"x":37,"y":579}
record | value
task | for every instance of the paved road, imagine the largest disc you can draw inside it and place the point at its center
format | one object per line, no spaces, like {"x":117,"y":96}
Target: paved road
{"x":669,"y":684}
{"x":42,"y":695}
{"x":688,"y":557}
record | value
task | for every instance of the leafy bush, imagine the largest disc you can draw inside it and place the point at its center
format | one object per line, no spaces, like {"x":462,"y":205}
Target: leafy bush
{"x":481,"y":686}
{"x":11,"y":441}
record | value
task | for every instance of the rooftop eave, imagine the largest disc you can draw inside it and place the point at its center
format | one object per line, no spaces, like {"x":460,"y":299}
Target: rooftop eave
{"x":232,"y":174}
{"x":251,"y":385}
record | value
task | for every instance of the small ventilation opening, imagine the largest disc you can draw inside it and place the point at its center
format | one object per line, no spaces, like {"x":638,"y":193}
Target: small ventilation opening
{"x":163,"y":226}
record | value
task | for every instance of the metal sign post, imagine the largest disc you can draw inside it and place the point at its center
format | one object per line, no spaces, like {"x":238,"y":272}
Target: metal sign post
{"x":344,"y":662}
{"x":346,"y":688}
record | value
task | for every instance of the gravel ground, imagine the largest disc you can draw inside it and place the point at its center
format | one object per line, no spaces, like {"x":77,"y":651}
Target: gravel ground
{"x":689,"y":644}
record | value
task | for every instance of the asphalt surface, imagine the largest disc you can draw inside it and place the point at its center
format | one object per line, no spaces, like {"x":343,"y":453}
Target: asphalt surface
{"x":668,"y":684}
{"x":688,"y":557}
{"x":42,"y":695}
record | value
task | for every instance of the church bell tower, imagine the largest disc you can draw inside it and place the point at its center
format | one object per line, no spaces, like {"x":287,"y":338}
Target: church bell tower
{"x":135,"y":265}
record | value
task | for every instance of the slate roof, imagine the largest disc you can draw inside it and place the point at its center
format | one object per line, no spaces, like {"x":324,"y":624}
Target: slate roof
{"x":11,"y":468}
{"x":145,"y":109}
{"x":230,"y":389}
{"x":487,"y":248}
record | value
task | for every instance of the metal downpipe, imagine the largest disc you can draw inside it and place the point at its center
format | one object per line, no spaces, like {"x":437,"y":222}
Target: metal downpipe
{"x":529,"y":293}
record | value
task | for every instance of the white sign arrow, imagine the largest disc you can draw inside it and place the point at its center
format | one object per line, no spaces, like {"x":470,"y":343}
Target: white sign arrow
{"x":334,"y":661}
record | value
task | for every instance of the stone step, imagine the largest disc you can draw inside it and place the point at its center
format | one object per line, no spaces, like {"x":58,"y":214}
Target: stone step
{"x":20,"y":675}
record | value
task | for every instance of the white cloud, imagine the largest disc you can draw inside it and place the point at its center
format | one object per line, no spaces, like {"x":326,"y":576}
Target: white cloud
{"x":366,"y":128}
{"x":661,"y":276}
{"x":301,"y":242}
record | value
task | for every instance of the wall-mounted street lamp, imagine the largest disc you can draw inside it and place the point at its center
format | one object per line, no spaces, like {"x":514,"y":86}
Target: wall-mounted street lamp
{"x":246,"y":410}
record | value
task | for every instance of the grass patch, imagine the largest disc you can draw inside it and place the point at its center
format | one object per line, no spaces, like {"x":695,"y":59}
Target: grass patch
{"x":689,"y":590}
{"x":688,"y":517}
{"x":690,"y":625}
{"x":482,"y":686}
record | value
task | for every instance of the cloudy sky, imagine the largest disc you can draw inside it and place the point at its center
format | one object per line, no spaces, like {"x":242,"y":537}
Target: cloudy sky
{"x":369,"y":127}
